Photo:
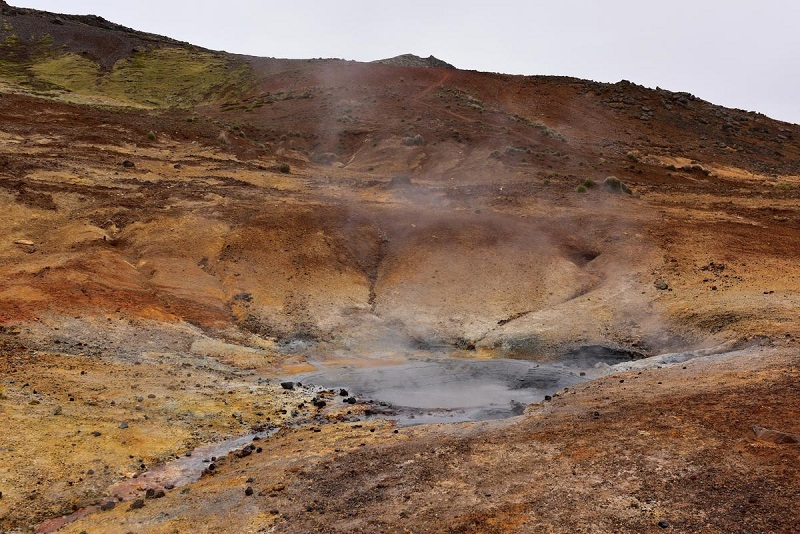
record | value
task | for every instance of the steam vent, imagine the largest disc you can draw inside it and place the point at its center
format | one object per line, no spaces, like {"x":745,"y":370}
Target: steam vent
{"x":246,"y":294}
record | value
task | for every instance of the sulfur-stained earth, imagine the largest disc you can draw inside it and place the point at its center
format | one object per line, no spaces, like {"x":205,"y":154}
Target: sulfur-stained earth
{"x":171,"y":252}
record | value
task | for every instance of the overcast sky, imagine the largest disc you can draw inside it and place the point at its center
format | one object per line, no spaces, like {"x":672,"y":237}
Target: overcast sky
{"x":743,"y":54}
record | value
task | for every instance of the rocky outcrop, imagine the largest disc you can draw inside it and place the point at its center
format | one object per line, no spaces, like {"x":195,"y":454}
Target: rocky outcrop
{"x":410,"y":60}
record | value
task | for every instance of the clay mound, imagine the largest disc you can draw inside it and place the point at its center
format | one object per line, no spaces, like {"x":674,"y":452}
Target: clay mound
{"x":410,"y":60}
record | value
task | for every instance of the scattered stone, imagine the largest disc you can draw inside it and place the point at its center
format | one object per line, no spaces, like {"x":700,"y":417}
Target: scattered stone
{"x":128,"y":164}
{"x":343,"y":393}
{"x":137,"y":504}
{"x":287,"y":385}
{"x":663,"y":524}
{"x":318,"y":403}
{"x":248,"y":491}
{"x":350,"y":400}
{"x":661,"y":285}
{"x":548,"y":398}
{"x":151,"y":396}
{"x":57,"y":410}
{"x":96,"y":434}
{"x":108,"y":505}
{"x":774,"y":436}
{"x":123,"y":425}
{"x":26,"y":245}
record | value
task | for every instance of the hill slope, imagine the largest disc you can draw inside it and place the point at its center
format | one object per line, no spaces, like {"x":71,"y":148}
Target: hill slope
{"x":188,"y":224}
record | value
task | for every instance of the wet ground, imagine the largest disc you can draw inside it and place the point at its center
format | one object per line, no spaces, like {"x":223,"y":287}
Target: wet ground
{"x":442,"y":389}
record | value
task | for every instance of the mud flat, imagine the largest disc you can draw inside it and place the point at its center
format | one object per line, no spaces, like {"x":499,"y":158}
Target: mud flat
{"x":445,"y":389}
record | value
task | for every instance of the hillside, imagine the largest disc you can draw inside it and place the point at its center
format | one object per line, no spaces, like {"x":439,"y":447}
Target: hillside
{"x":185,"y":229}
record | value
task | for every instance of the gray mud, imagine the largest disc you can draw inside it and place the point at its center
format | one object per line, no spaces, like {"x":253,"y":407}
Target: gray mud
{"x":444,"y":389}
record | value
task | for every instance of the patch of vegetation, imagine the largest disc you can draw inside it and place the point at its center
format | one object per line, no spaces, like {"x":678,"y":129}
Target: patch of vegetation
{"x":581,"y":189}
{"x":615,"y":185}
{"x":544,"y":129}
{"x":634,"y":155}
{"x":414,"y":140}
{"x":282,"y":168}
{"x":155,"y":78}
{"x":588,"y":183}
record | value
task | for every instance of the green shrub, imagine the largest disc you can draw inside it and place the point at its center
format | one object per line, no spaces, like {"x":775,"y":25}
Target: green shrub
{"x":151,"y":136}
{"x":581,"y":189}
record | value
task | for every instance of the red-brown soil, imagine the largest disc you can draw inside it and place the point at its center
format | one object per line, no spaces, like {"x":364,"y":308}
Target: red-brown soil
{"x":422,"y":208}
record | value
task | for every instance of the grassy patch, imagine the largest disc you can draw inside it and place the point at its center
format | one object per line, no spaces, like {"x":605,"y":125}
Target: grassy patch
{"x":156,"y":78}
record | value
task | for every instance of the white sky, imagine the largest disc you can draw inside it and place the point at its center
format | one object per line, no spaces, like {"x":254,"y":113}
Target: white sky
{"x":743,"y":54}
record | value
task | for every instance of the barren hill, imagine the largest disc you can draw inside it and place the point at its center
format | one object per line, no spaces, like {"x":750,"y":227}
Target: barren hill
{"x":186,"y":229}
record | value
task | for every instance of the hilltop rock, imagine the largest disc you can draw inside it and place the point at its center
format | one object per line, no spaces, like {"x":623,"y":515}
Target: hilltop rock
{"x":410,"y":60}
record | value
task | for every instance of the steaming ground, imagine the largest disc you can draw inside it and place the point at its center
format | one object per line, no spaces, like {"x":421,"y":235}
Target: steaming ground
{"x":182,"y":230}
{"x":438,"y":388}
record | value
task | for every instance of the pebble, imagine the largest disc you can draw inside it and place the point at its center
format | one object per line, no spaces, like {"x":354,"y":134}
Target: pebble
{"x":57,"y":410}
{"x":137,"y":504}
{"x":663,"y":524}
{"x":287,"y":385}
{"x":248,"y":491}
{"x":123,"y":425}
{"x":108,"y":505}
{"x":96,"y":434}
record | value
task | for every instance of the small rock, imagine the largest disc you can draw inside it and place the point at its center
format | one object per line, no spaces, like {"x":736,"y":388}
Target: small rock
{"x":123,"y":425}
{"x":57,"y":410}
{"x":96,"y":434}
{"x":661,"y":285}
{"x":774,"y":436}
{"x":108,"y":505}
{"x":343,"y":393}
{"x":287,"y":385}
{"x":350,"y":400}
{"x":248,"y":491}
{"x":663,"y":524}
{"x":137,"y":504}
{"x":128,"y":164}
{"x":548,"y":398}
